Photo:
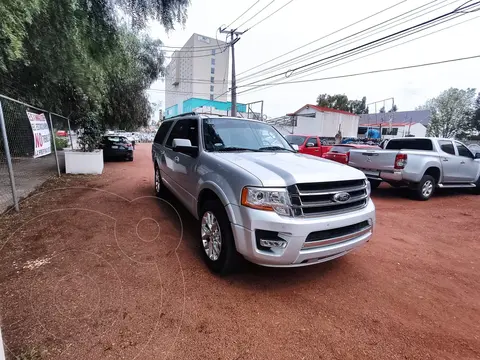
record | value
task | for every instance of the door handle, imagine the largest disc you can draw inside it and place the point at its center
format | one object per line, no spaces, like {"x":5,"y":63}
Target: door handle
{"x":177,"y":159}
{"x":462,"y":162}
{"x":445,"y":160}
{"x":316,"y":150}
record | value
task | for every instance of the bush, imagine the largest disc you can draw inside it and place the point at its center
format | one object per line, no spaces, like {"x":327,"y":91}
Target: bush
{"x":90,"y":133}
{"x":61,"y":143}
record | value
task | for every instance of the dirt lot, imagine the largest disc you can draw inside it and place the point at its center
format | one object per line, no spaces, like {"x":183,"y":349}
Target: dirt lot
{"x":97,"y":268}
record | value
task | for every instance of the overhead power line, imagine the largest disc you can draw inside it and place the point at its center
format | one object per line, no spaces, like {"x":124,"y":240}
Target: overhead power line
{"x":254,"y":16}
{"x":373,"y":71}
{"x":268,"y":16}
{"x":325,"y":36}
{"x":255,"y":89}
{"x":410,"y":29}
{"x":368,"y":32}
{"x":226,"y":27}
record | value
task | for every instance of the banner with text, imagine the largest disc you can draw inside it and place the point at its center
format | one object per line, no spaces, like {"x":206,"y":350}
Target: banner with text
{"x":41,"y":134}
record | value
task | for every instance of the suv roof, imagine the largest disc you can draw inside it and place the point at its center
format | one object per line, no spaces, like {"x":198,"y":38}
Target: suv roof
{"x":210,"y":115}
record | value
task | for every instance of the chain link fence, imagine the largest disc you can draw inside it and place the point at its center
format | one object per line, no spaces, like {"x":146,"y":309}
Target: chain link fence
{"x":32,"y":145}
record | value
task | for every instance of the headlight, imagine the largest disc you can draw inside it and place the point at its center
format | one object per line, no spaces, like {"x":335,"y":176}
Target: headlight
{"x":267,"y":199}
{"x":369,"y":188}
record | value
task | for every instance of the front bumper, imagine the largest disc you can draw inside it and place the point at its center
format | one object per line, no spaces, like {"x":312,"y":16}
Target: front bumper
{"x":295,"y":231}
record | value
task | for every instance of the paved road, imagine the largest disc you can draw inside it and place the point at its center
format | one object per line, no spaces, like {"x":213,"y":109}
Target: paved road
{"x":117,"y":275}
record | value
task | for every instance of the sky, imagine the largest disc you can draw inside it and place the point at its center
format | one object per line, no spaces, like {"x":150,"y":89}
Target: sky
{"x":304,"y":21}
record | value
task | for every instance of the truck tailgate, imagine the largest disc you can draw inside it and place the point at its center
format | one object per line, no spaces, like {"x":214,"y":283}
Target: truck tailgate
{"x":371,"y":162}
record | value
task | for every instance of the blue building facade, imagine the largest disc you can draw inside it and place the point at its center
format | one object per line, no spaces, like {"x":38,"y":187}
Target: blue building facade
{"x":192,"y":103}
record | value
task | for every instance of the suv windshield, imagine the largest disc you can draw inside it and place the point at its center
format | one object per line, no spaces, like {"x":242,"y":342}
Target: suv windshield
{"x":223,"y":134}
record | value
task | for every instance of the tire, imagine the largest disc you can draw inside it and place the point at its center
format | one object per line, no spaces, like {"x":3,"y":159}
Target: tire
{"x":158,"y":184}
{"x":476,"y":190}
{"x":221,"y":257}
{"x":374,"y":183}
{"x":425,"y":188}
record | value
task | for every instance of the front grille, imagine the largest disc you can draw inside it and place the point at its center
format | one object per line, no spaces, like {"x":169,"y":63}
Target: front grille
{"x":317,"y":199}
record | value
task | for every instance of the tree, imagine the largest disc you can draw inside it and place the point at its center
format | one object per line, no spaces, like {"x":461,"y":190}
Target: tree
{"x":382,"y":110}
{"x":393,"y":109}
{"x":77,"y":57}
{"x":476,"y":115}
{"x":341,"y":102}
{"x":451,"y":113}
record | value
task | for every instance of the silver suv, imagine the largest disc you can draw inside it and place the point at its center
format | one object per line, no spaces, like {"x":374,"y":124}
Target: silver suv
{"x":255,"y":197}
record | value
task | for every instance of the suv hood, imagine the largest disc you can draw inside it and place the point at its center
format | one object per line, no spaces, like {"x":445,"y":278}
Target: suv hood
{"x":286,"y":168}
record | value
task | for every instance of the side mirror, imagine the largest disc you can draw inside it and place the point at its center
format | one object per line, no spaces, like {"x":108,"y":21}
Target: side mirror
{"x":477,"y":155}
{"x":295,"y":147}
{"x":184,"y":146}
{"x":310,"y":144}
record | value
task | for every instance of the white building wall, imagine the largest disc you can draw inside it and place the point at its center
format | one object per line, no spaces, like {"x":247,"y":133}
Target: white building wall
{"x":418,"y":130}
{"x":188,"y":75}
{"x":326,"y":124}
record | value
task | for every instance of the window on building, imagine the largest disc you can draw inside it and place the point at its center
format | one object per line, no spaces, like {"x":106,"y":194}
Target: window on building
{"x":211,"y":97}
{"x":447,"y":146}
{"x":212,"y":70}
{"x":387,"y":131}
{"x":213,"y":52}
{"x":213,"y":61}
{"x":211,"y":88}
{"x":212,"y":79}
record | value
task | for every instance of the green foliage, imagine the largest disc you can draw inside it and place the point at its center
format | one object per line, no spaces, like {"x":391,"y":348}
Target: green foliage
{"x":341,"y":102}
{"x":393,"y":109}
{"x":90,"y":133}
{"x":452,"y":113}
{"x":476,"y":115}
{"x":78,"y":56}
{"x":60,"y":143}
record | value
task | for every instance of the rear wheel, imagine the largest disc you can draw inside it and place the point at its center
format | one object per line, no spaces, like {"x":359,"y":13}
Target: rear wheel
{"x":374,"y":183}
{"x":425,"y":188}
{"x":217,"y":243}
{"x":476,"y":190}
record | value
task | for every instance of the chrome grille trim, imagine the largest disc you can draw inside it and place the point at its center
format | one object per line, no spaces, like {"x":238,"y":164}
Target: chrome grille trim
{"x":318,"y":202}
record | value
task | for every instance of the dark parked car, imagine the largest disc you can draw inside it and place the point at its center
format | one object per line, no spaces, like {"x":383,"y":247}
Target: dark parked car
{"x":116,"y":147}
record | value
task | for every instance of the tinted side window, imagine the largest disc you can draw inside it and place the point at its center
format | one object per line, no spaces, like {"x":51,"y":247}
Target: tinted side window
{"x":447,"y":146}
{"x":463,"y":151}
{"x":162,"y":131}
{"x":313,"y":140}
{"x":410,"y":144}
{"x":184,"y":129}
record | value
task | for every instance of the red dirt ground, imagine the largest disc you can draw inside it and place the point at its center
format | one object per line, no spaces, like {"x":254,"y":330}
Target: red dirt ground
{"x":80,"y":280}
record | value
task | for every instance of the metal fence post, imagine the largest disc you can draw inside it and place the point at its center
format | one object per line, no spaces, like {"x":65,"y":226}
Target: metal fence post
{"x":54,"y":145}
{"x":9,"y":159}
{"x":70,"y":132}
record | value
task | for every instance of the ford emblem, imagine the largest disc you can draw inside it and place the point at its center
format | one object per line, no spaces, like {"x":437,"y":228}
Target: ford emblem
{"x":341,"y":197}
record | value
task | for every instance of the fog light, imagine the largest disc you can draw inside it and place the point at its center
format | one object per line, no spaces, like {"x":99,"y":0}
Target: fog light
{"x":273,"y":243}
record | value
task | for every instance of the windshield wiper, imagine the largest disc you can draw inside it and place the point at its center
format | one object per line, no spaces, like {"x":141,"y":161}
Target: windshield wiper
{"x":234,"y":148}
{"x":270,"y":148}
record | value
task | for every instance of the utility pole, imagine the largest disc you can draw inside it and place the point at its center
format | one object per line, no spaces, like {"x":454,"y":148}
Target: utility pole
{"x":233,"y":33}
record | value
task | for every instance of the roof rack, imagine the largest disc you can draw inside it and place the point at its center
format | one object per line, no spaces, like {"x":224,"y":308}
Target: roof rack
{"x":196,"y":113}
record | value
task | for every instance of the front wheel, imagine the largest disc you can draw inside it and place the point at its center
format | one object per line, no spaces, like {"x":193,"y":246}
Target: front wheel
{"x":425,"y":188}
{"x":217,"y":243}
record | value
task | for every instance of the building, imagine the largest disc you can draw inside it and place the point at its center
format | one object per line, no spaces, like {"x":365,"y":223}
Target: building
{"x":320,"y":121}
{"x":395,"y":124}
{"x":196,"y":75}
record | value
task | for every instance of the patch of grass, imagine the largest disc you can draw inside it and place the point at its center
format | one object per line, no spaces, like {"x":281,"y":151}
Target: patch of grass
{"x":29,"y":354}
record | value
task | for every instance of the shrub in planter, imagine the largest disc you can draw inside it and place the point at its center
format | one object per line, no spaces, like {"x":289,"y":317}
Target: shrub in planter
{"x":89,"y":159}
{"x":61,"y":143}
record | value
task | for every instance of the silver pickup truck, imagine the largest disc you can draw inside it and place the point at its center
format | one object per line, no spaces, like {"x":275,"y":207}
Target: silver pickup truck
{"x":255,"y":197}
{"x":423,"y":164}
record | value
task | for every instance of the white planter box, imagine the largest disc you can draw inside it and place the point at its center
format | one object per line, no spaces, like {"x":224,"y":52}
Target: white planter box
{"x":78,"y":162}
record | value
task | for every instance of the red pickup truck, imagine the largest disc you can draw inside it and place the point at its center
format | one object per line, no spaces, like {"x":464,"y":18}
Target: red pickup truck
{"x":308,"y":144}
